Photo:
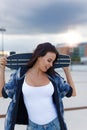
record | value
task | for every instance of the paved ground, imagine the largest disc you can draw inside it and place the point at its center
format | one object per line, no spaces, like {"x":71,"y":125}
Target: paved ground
{"x":76,"y":119}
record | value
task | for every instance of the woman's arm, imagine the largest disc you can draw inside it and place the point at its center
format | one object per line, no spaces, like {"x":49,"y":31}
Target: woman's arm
{"x":69,"y":79}
{"x":3,"y":62}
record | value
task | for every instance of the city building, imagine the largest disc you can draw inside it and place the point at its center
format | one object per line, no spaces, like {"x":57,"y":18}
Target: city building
{"x":83,"y":49}
{"x":64,"y":49}
{"x":78,"y":53}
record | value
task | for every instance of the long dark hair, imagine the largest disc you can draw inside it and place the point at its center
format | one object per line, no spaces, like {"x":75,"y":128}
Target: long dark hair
{"x":40,"y":51}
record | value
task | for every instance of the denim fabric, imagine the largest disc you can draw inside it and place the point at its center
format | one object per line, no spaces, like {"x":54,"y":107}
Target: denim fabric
{"x":12,"y":89}
{"x":53,"y":125}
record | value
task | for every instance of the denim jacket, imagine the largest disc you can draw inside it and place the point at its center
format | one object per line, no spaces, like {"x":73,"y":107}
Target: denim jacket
{"x":17,"y":113}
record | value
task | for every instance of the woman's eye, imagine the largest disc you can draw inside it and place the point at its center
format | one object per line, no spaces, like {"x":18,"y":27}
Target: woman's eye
{"x":49,"y":60}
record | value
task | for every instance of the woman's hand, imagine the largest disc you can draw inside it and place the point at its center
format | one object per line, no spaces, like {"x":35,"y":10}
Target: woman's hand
{"x":3,"y":62}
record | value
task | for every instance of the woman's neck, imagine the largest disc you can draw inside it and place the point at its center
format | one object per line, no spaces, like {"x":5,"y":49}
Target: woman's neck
{"x":36,"y":71}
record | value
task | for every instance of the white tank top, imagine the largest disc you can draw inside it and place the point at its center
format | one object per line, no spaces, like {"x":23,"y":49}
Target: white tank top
{"x":39,"y":103}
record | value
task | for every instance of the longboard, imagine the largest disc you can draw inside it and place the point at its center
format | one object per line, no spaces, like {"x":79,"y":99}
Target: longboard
{"x":21,"y":59}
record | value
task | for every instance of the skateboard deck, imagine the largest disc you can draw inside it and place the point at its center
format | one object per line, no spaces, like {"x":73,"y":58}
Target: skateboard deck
{"x":15,"y":61}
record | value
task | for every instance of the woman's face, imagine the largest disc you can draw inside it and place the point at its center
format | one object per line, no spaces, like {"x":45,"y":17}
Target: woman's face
{"x":46,"y":61}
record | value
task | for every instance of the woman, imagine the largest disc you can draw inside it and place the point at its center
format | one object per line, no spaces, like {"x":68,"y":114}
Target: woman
{"x":37,"y":91}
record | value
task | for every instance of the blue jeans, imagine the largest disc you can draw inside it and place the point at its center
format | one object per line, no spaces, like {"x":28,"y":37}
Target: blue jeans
{"x":53,"y":125}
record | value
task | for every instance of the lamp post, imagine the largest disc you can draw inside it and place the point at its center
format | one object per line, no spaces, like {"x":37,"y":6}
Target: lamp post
{"x":2,"y":31}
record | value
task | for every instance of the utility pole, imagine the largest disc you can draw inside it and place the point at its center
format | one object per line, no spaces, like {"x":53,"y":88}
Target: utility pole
{"x":2,"y":31}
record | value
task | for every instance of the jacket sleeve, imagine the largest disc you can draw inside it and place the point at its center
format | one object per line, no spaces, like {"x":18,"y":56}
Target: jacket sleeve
{"x":64,"y":88}
{"x":10,"y":87}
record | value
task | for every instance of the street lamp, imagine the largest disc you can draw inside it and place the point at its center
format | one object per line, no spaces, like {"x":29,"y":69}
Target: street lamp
{"x":2,"y":30}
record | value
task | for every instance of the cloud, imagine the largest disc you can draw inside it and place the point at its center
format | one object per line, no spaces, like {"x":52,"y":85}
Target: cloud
{"x":29,"y":22}
{"x":56,"y":18}
{"x":35,"y":17}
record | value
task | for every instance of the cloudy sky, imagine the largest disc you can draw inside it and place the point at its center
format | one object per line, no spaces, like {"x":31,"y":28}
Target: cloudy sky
{"x":30,"y":22}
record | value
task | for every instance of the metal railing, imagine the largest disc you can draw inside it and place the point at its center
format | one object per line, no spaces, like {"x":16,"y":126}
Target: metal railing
{"x":75,"y":108}
{"x":66,"y":109}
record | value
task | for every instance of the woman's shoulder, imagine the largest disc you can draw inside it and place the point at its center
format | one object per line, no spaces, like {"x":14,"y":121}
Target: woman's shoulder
{"x":23,"y":70}
{"x":55,"y":76}
{"x":20,"y":72}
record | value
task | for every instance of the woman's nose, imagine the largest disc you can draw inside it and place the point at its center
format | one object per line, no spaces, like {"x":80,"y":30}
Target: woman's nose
{"x":51,"y":64}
